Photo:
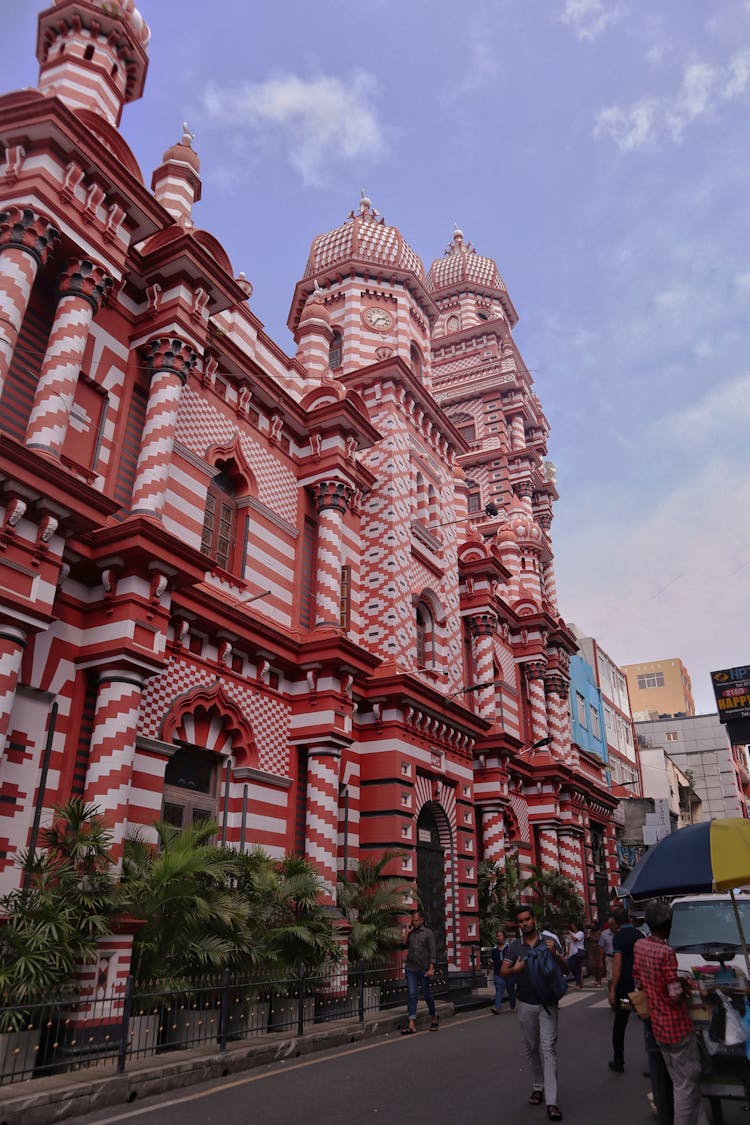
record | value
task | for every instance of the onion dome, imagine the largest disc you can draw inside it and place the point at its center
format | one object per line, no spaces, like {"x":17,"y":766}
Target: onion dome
{"x":364,"y":237}
{"x":461,"y":269}
{"x":127,"y":10}
{"x":182,"y":152}
{"x":315,"y":310}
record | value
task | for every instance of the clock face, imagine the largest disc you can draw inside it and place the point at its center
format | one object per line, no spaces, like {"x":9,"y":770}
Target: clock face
{"x":378,"y":319}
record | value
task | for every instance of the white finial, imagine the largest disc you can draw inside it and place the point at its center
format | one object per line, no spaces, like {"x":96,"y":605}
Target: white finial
{"x":187,"y":137}
{"x":458,"y":234}
{"x":364,"y":203}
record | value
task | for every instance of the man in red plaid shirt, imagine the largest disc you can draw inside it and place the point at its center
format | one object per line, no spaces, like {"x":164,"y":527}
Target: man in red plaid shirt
{"x":655,"y":970}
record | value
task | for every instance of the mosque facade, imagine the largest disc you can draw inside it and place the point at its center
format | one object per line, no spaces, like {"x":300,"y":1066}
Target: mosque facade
{"x":309,"y":596}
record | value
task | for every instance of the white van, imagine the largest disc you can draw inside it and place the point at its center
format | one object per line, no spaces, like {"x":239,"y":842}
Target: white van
{"x":708,"y":920}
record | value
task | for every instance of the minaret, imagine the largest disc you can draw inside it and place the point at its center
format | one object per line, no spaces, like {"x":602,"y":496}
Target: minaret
{"x":176,"y":183}
{"x":92,"y":55}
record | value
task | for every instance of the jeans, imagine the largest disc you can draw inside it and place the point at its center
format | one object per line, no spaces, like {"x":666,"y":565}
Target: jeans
{"x":414,"y":978}
{"x":683,"y":1062}
{"x":503,"y":985}
{"x":539,"y":1029}
{"x":575,"y":966}
{"x":618,"y":1033}
{"x":661,"y":1083}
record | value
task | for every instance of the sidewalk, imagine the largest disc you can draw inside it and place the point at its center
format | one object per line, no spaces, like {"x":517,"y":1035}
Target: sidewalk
{"x":41,"y":1101}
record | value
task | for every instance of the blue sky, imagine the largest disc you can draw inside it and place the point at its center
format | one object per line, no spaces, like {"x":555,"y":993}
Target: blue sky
{"x":598,"y":150}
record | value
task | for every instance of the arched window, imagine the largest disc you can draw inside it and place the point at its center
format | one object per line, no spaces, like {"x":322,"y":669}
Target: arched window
{"x":336,"y":350}
{"x":474,"y":497}
{"x":415,"y":357}
{"x":466,"y":426}
{"x":420,"y":498}
{"x":425,"y":635}
{"x":219,"y":521}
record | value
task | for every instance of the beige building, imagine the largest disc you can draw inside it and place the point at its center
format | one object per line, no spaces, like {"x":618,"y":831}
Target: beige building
{"x":659,"y":688}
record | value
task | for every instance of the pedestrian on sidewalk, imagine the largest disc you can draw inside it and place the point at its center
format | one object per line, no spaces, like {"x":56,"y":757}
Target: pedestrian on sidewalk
{"x":575,"y":945}
{"x":625,"y":937}
{"x":419,"y":941}
{"x":538,"y":1019}
{"x":501,"y":984}
{"x":606,"y":939}
{"x":594,"y":953}
{"x":655,"y":970}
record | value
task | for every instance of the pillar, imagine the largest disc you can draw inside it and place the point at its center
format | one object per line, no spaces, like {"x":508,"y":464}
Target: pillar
{"x":112,"y":750}
{"x":331,"y":499}
{"x":493,"y":832}
{"x":549,"y":855}
{"x":556,"y":690}
{"x":482,"y":627}
{"x":26,"y":241}
{"x":534,"y":671}
{"x":12,"y":644}
{"x":517,"y":433}
{"x":82,"y":288}
{"x":170,"y":361}
{"x":322,"y":815}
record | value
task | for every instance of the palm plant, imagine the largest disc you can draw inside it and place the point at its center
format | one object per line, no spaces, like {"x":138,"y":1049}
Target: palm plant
{"x":498,"y":893}
{"x":372,"y":904}
{"x":68,"y":900}
{"x":556,"y":900}
{"x":195,"y":921}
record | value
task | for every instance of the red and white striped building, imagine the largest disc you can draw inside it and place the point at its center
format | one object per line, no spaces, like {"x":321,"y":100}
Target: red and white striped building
{"x":311,"y":596}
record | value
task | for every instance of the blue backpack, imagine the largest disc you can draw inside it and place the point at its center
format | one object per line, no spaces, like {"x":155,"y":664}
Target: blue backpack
{"x":546,"y":978}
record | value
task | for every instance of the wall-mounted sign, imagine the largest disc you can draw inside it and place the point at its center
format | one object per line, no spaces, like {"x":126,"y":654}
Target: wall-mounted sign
{"x":732,"y":691}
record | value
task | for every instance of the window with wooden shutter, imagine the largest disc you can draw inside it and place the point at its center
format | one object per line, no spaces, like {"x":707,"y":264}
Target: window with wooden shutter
{"x":219,"y":519}
{"x":26,"y":363}
{"x":130,"y":448}
{"x":346,"y":585}
{"x":307,"y":574}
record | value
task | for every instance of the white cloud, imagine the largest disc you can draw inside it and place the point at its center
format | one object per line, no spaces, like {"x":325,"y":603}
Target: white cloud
{"x":482,"y":60}
{"x":715,"y":417}
{"x":317,"y":123}
{"x":702,"y":90}
{"x":588,"y":19}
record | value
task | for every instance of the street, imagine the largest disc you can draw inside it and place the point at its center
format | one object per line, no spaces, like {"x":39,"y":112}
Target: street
{"x":473,"y":1069}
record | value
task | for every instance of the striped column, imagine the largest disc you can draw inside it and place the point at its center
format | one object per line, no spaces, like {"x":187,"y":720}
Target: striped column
{"x":112,"y":750}
{"x":556,"y":690}
{"x":550,"y":584}
{"x":517,"y":432}
{"x":534,"y":670}
{"x":12,"y":644}
{"x":524,"y":491}
{"x":26,"y":241}
{"x":331,"y":499}
{"x":483,"y":626}
{"x":82,"y":289}
{"x":322,"y":815}
{"x":572,"y":864}
{"x":493,"y":833}
{"x":170,"y":361}
{"x":549,"y":854}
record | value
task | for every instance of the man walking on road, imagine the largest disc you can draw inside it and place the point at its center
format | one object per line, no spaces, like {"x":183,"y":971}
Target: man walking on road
{"x":501,"y":984}
{"x":621,"y":985}
{"x":419,"y":941}
{"x":655,"y":970}
{"x":538,"y":1020}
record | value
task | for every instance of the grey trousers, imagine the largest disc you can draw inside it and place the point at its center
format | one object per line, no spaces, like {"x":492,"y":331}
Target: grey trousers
{"x":539,"y":1029}
{"x":684,"y":1065}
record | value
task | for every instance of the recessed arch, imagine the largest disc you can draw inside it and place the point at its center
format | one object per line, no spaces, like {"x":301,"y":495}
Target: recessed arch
{"x":206,"y":717}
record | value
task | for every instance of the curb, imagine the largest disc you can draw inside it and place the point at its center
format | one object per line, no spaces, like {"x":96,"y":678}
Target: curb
{"x":42,"y":1101}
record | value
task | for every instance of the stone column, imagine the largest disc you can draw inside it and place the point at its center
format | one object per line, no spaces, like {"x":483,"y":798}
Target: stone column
{"x":112,"y":749}
{"x":331,"y":499}
{"x":82,"y":289}
{"x":12,"y":643}
{"x":549,"y":855}
{"x":26,"y":241}
{"x":556,"y":690}
{"x":170,"y":361}
{"x":534,"y":671}
{"x":322,"y":815}
{"x":482,"y":626}
{"x":493,"y":832}
{"x":517,"y":433}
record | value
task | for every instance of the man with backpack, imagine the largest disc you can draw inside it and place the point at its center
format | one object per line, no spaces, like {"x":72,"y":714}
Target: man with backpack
{"x":537,"y":966}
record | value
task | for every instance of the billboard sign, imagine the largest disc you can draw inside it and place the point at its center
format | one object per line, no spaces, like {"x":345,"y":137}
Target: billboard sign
{"x":732,"y":691}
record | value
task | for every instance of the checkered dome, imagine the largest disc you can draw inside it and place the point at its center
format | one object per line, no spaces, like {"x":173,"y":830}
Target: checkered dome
{"x":462,"y":267}
{"x":364,"y":237}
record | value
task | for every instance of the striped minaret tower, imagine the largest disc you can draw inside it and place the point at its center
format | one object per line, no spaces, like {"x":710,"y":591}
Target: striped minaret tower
{"x":534,"y":671}
{"x":493,"y":832}
{"x":26,"y":242}
{"x":170,"y":361}
{"x":112,"y":749}
{"x":82,"y":288}
{"x":322,"y":815}
{"x":176,"y":183}
{"x":12,"y":644}
{"x":483,"y":626}
{"x":314,"y":335}
{"x":331,"y":498}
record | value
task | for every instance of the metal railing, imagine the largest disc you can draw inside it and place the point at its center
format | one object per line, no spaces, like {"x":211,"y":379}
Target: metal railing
{"x":108,"y":1030}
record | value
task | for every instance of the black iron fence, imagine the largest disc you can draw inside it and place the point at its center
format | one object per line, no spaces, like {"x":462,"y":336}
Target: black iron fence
{"x":107,"y":1030}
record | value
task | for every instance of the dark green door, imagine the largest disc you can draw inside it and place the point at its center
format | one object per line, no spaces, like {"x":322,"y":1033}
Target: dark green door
{"x":431,"y":878}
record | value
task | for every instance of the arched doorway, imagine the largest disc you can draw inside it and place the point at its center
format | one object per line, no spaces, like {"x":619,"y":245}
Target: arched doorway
{"x":431,"y":877}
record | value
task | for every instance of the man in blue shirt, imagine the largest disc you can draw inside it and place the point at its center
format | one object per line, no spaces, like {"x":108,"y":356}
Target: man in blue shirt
{"x":501,"y":984}
{"x":624,"y":940}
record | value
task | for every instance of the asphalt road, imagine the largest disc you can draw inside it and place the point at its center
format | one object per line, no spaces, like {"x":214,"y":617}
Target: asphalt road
{"x":472,"y":1070}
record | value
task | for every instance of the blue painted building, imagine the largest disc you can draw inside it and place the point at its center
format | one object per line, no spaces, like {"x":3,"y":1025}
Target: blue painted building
{"x":587,"y":709}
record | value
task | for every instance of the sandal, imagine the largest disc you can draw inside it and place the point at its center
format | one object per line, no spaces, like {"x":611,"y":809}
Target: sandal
{"x":435,"y":1023}
{"x":554,"y":1113}
{"x":408,"y":1031}
{"x":537,"y":1097}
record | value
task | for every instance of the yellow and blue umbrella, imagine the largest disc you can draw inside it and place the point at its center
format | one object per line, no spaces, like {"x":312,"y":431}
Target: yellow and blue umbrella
{"x":711,"y":856}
